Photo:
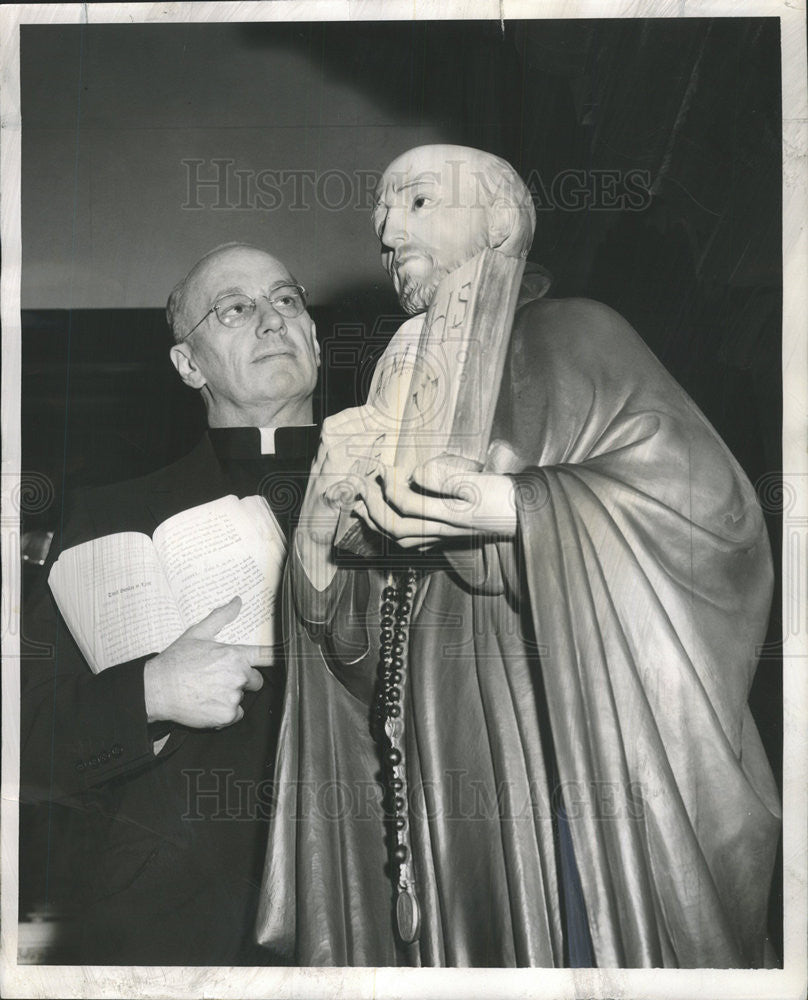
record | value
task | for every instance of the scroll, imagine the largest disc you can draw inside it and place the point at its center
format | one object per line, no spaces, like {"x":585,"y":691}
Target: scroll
{"x":435,"y":392}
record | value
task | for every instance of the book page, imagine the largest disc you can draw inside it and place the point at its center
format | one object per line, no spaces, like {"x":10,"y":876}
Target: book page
{"x":435,"y":388}
{"x":115,"y":599}
{"x":457,"y":373}
{"x":443,"y":352}
{"x":222,"y":549}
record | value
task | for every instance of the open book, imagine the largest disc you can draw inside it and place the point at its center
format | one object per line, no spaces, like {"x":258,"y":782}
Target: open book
{"x":127,"y":595}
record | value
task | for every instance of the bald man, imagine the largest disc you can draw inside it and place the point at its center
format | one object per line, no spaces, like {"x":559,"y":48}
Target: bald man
{"x":167,"y":760}
{"x":542,"y":756}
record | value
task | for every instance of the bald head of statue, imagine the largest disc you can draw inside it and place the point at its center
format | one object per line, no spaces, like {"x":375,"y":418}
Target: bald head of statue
{"x":438,"y":206}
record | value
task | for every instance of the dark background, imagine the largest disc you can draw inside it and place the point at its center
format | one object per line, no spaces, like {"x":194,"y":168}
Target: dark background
{"x":693,"y":260}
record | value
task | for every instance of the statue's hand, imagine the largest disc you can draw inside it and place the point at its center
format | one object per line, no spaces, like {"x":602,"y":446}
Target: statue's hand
{"x":344,"y":457}
{"x":442,"y":499}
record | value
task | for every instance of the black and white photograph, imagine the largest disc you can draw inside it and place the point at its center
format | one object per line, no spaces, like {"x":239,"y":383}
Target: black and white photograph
{"x":404,"y":499}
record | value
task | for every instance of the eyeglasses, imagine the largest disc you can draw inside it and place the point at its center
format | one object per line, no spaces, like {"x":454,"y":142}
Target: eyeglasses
{"x":235,"y":309}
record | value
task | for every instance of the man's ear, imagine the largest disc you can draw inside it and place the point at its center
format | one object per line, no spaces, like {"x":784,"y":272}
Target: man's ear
{"x":501,"y":222}
{"x":183,"y":360}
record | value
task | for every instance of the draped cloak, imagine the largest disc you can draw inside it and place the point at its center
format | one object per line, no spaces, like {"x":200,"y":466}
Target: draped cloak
{"x":615,"y":637}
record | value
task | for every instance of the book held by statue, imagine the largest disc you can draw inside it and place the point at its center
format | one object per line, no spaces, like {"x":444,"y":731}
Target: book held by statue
{"x":436,"y":386}
{"x":127,"y":595}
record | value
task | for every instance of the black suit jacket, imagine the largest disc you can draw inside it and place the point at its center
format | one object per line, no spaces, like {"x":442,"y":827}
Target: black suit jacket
{"x":170,"y":847}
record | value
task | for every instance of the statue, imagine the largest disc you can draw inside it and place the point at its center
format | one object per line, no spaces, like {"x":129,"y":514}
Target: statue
{"x":528,"y":743}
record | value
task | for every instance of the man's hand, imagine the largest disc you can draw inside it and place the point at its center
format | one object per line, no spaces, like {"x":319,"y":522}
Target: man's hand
{"x":442,"y":499}
{"x":198,"y":682}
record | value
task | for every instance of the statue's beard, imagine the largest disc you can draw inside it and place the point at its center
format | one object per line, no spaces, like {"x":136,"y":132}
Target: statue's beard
{"x":416,"y":279}
{"x":415,"y":275}
{"x":415,"y":294}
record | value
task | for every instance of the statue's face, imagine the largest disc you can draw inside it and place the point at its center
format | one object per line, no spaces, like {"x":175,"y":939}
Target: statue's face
{"x":430,"y":216}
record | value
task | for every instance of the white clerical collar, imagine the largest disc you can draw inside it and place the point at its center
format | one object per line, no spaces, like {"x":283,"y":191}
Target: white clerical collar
{"x":267,"y":440}
{"x":260,"y":442}
{"x":296,"y":438}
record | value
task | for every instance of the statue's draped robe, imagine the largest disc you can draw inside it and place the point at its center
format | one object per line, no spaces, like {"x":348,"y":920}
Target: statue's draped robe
{"x":624,"y":619}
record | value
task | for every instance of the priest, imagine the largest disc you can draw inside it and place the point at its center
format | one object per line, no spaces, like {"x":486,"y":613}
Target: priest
{"x":164,"y":763}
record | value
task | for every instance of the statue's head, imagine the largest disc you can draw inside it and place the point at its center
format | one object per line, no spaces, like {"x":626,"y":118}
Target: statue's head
{"x":438,"y":206}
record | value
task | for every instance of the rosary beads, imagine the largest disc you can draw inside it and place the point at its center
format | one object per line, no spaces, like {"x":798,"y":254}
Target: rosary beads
{"x":395,"y":612}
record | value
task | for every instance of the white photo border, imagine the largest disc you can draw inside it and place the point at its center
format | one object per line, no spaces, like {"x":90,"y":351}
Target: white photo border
{"x":174,"y":981}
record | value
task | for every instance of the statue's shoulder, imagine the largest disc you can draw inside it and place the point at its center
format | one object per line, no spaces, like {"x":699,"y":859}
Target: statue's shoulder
{"x":573,"y":326}
{"x":570,"y":312}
